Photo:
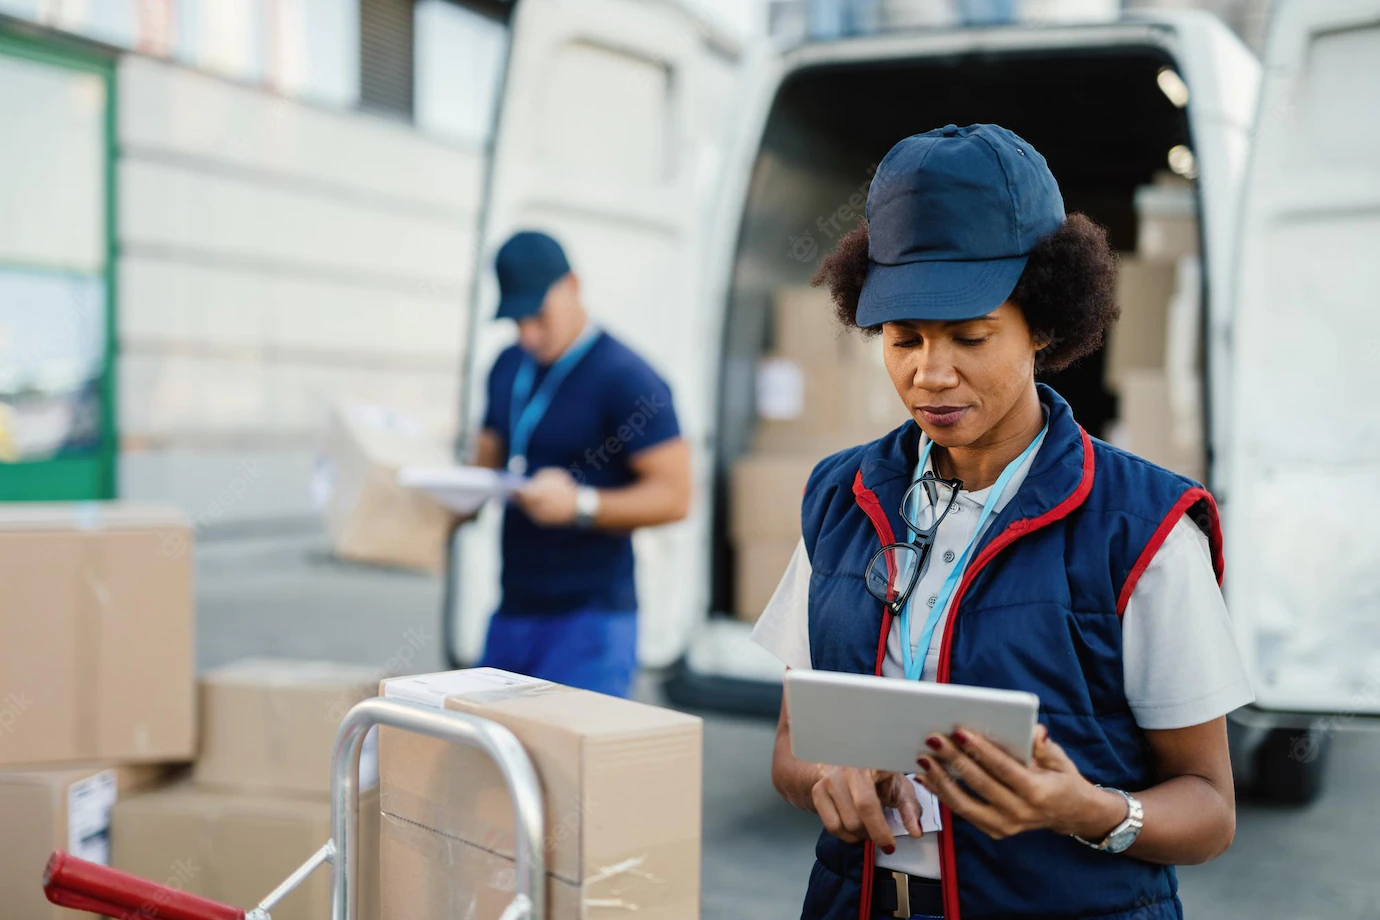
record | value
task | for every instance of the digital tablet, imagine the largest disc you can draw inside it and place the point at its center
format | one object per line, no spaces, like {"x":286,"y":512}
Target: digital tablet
{"x":855,"y":720}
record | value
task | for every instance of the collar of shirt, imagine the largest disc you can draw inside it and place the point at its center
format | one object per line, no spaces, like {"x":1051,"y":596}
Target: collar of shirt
{"x":978,"y":498}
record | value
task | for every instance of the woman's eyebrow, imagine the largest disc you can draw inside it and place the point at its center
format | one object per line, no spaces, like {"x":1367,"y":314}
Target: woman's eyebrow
{"x":949,"y":324}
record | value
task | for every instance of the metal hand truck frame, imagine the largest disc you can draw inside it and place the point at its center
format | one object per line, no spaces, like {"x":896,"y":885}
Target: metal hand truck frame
{"x":82,"y":885}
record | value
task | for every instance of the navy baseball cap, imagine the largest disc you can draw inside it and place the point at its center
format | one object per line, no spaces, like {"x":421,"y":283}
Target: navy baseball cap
{"x":527,"y":265}
{"x":952,"y":217}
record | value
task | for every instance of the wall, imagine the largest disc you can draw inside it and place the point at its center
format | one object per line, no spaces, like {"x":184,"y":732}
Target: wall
{"x":276,"y":258}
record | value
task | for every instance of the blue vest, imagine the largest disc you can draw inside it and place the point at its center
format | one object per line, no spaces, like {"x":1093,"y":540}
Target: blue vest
{"x":1039,"y":609}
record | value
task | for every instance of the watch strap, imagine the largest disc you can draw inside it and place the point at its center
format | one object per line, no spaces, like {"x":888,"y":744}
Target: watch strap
{"x":586,"y":506}
{"x":1118,"y":839}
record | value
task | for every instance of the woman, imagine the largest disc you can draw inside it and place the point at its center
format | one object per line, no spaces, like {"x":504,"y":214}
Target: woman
{"x":1038,"y":559}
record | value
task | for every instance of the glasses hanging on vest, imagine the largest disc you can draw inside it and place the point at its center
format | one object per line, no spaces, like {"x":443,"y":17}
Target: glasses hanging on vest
{"x":895,"y":570}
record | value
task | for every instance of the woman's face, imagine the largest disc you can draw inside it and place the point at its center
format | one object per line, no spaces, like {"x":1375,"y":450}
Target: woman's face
{"x":960,"y":380}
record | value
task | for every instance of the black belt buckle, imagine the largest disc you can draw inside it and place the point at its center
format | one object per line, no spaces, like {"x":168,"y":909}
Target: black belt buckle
{"x":902,"y":895}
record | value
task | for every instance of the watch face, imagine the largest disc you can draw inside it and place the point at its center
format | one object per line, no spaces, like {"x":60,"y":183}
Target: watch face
{"x":1122,"y":838}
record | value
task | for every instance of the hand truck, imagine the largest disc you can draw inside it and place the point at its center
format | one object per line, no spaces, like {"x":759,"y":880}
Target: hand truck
{"x":81,"y":885}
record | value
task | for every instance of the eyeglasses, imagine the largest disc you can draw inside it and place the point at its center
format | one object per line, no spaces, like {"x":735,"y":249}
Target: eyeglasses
{"x":895,"y":570}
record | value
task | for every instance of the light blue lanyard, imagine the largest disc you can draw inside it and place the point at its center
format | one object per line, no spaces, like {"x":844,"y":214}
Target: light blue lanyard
{"x":913,"y":667}
{"x":525,"y":414}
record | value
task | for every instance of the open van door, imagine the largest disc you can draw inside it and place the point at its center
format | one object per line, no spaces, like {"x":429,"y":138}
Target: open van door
{"x":608,"y":137}
{"x":1303,"y":495}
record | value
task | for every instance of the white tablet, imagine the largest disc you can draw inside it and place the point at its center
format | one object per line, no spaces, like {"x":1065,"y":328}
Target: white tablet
{"x":855,"y":720}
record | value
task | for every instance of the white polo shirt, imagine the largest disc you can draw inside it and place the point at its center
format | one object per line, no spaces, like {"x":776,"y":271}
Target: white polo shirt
{"x":1180,"y":663}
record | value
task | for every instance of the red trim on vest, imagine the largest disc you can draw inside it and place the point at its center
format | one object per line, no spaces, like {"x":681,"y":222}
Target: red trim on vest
{"x":948,"y":859}
{"x":1180,"y":508}
{"x":872,"y":507}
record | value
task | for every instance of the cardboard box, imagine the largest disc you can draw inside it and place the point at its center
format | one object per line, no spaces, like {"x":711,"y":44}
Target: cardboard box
{"x":1139,"y":339}
{"x":804,"y":326}
{"x":269,"y":725}
{"x":431,"y":875}
{"x":759,"y":565}
{"x":615,"y":836}
{"x":65,"y":807}
{"x":96,"y":623}
{"x":766,"y":496}
{"x":1152,"y":427}
{"x":237,"y":848}
{"x":840,"y":405}
{"x":369,"y":517}
{"x":1168,"y":215}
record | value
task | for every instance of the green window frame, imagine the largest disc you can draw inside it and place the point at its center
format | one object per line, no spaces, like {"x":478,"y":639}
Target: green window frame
{"x":89,"y":476}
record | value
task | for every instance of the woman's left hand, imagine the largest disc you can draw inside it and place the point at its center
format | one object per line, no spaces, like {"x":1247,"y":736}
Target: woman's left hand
{"x":1006,"y":797}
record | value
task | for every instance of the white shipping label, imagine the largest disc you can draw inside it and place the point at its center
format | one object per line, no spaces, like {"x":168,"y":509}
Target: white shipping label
{"x":89,"y":803}
{"x":930,"y":819}
{"x":432,"y":689}
{"x":780,"y":389}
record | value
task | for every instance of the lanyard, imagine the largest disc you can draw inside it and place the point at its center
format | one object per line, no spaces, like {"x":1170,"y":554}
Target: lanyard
{"x":524,"y":413}
{"x":913,"y":667}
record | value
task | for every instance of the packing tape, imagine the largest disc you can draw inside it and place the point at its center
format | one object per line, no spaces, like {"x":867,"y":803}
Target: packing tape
{"x":657,"y":878}
{"x":499,"y":694}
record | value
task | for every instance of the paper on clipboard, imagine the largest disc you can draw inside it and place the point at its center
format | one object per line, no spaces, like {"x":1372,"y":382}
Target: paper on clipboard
{"x":462,"y":489}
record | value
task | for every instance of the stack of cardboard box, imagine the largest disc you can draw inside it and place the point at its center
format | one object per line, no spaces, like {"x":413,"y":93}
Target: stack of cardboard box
{"x":820,"y":390}
{"x":99,"y":710}
{"x":96,"y":678}
{"x":1154,"y":353}
{"x":257,"y":803}
{"x":622,"y":790}
{"x":368,"y":515}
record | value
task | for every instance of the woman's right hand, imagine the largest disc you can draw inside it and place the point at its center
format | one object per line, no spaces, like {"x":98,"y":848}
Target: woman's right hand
{"x":849,"y":802}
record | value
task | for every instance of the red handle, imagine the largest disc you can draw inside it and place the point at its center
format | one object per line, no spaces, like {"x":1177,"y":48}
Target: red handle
{"x":81,"y":885}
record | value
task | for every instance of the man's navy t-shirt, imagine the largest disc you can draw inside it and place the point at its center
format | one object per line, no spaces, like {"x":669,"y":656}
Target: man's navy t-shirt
{"x":609,"y":407}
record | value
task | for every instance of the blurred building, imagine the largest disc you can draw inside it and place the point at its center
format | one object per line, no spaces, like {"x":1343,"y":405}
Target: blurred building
{"x":221,"y":218}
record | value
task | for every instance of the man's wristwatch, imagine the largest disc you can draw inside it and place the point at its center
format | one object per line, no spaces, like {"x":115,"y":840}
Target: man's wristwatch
{"x":1125,"y":833}
{"x":586,"y":506}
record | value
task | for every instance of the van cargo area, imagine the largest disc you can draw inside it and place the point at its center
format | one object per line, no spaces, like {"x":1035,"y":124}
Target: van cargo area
{"x":795,"y":389}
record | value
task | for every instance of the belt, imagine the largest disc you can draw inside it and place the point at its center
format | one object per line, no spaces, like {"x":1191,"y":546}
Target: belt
{"x":896,"y":894}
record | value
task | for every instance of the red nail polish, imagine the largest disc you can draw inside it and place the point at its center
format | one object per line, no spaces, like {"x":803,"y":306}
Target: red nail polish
{"x":934,"y":744}
{"x":960,"y":737}
{"x":888,"y":850}
{"x":924,"y":763}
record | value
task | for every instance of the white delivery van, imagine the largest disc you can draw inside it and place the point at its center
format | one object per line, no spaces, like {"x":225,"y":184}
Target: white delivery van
{"x":1263,"y":194}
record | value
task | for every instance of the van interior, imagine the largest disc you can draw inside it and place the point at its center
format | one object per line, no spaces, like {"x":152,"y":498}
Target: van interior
{"x":1099,"y":116}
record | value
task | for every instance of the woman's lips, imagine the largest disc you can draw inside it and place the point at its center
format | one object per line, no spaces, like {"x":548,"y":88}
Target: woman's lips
{"x":942,"y":416}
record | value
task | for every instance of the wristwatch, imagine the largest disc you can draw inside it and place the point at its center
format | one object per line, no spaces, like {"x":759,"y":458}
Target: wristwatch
{"x":1125,"y":833}
{"x":586,"y":506}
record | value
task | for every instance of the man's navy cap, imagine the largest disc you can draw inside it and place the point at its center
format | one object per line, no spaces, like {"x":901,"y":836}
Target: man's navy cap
{"x":527,"y":265}
{"x":952,"y":217}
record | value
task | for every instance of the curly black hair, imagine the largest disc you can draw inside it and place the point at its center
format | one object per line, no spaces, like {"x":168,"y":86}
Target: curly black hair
{"x":1067,"y":291}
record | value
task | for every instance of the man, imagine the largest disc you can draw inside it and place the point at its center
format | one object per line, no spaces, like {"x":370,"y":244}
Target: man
{"x":594,"y":427}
